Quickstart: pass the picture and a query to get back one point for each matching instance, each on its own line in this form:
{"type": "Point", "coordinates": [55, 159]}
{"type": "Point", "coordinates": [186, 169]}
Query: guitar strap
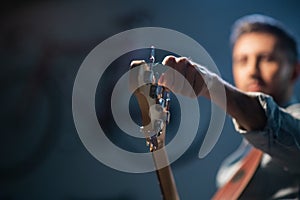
{"type": "Point", "coordinates": [236, 185]}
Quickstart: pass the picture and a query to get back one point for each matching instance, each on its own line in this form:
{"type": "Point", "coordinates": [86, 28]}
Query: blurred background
{"type": "Point", "coordinates": [42, 45]}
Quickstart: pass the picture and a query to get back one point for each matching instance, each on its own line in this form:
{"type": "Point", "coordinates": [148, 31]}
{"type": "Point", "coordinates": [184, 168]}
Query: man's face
{"type": "Point", "coordinates": [259, 66]}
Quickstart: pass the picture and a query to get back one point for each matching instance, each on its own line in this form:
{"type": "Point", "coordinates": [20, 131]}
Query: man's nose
{"type": "Point", "coordinates": [254, 67]}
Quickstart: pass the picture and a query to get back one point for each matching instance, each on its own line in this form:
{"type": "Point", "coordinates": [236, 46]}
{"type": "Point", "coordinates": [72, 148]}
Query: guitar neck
{"type": "Point", "coordinates": [154, 101]}
{"type": "Point", "coordinates": [160, 158]}
{"type": "Point", "coordinates": [165, 176]}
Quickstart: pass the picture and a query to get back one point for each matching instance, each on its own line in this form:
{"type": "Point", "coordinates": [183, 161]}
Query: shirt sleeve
{"type": "Point", "coordinates": [280, 138]}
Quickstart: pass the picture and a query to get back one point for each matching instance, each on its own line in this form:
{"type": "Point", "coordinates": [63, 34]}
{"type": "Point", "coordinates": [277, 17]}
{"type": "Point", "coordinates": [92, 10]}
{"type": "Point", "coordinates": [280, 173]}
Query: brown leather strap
{"type": "Point", "coordinates": [236, 185]}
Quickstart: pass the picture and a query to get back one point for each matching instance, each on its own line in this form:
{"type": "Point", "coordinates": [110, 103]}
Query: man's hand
{"type": "Point", "coordinates": [189, 79]}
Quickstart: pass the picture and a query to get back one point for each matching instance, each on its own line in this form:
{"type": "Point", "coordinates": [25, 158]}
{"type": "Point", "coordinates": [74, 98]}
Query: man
{"type": "Point", "coordinates": [264, 111]}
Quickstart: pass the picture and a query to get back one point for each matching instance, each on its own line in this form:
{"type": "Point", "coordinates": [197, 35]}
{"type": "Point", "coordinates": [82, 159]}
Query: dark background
{"type": "Point", "coordinates": [42, 45]}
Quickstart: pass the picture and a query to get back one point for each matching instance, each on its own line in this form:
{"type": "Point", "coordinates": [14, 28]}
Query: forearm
{"type": "Point", "coordinates": [244, 108]}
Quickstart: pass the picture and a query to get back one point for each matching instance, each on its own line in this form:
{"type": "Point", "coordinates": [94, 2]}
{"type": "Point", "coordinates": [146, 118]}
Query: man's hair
{"type": "Point", "coordinates": [263, 24]}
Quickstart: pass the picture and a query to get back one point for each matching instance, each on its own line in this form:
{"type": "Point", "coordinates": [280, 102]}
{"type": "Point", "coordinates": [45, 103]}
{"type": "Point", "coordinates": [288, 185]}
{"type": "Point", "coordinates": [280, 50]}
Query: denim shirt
{"type": "Point", "coordinates": [278, 176]}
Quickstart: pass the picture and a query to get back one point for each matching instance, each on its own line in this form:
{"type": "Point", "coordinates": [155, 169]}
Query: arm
{"type": "Point", "coordinates": [245, 108]}
{"type": "Point", "coordinates": [261, 121]}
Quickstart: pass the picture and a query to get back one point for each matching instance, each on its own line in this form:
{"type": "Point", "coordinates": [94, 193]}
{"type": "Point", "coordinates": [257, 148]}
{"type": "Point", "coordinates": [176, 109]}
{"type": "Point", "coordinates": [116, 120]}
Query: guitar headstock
{"type": "Point", "coordinates": [154, 103]}
{"type": "Point", "coordinates": [159, 114]}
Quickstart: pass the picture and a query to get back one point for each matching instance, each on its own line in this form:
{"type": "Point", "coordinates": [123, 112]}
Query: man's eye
{"type": "Point", "coordinates": [240, 60]}
{"type": "Point", "coordinates": [268, 58]}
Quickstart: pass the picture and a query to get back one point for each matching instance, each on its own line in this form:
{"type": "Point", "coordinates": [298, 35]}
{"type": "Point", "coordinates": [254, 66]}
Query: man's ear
{"type": "Point", "coordinates": [296, 72]}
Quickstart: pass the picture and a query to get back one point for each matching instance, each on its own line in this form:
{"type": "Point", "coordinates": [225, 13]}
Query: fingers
{"type": "Point", "coordinates": [169, 60]}
{"type": "Point", "coordinates": [185, 79]}
{"type": "Point", "coordinates": [167, 79]}
{"type": "Point", "coordinates": [172, 79]}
